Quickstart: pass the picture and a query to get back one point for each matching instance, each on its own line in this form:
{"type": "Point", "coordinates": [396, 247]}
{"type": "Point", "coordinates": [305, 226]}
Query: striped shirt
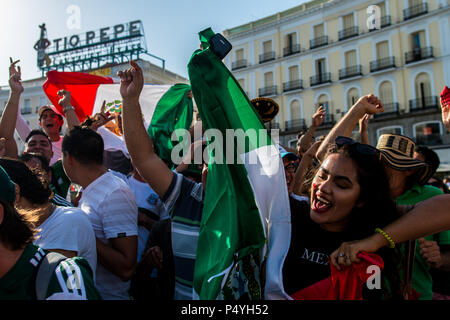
{"type": "Point", "coordinates": [184, 200]}
{"type": "Point", "coordinates": [60, 201]}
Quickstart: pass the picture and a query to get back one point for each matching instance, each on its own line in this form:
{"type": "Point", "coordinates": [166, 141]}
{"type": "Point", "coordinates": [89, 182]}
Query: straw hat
{"type": "Point", "coordinates": [266, 107]}
{"type": "Point", "coordinates": [397, 151]}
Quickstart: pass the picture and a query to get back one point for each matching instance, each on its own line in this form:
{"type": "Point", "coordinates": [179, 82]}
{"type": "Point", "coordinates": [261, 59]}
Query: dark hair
{"type": "Point", "coordinates": [37, 132]}
{"type": "Point", "coordinates": [85, 145]}
{"type": "Point", "coordinates": [431, 157]}
{"type": "Point", "coordinates": [32, 183]}
{"type": "Point", "coordinates": [378, 208]}
{"type": "Point", "coordinates": [27, 156]}
{"type": "Point", "coordinates": [16, 230]}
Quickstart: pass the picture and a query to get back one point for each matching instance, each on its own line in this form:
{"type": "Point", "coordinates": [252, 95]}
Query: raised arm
{"type": "Point", "coordinates": [69, 111]}
{"type": "Point", "coordinates": [138, 142]}
{"type": "Point", "coordinates": [368, 104]}
{"type": "Point", "coordinates": [428, 217]}
{"type": "Point", "coordinates": [9, 117]}
{"type": "Point", "coordinates": [317, 120]}
{"type": "Point", "coordinates": [304, 166]}
{"type": "Point", "coordinates": [364, 128]}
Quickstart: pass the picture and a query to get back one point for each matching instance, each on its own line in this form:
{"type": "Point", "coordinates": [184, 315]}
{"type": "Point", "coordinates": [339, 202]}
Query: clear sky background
{"type": "Point", "coordinates": [171, 26]}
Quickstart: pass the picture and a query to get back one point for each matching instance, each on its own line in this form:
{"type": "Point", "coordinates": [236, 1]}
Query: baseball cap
{"type": "Point", "coordinates": [49, 107]}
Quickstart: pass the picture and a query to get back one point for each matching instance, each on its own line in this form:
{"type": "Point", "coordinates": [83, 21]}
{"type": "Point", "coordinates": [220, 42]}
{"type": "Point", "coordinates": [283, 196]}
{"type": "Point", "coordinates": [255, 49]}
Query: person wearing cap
{"type": "Point", "coordinates": [407, 176]}
{"type": "Point", "coordinates": [290, 163]}
{"type": "Point", "coordinates": [20, 259]}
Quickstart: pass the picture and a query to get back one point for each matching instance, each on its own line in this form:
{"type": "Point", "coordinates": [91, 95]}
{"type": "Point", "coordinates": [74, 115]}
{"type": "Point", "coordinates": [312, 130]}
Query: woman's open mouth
{"type": "Point", "coordinates": [320, 204]}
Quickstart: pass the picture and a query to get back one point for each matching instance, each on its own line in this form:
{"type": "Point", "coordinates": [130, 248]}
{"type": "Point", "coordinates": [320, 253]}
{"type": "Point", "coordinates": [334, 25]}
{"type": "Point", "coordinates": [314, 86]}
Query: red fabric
{"type": "Point", "coordinates": [346, 284]}
{"type": "Point", "coordinates": [445, 97]}
{"type": "Point", "coordinates": [82, 86]}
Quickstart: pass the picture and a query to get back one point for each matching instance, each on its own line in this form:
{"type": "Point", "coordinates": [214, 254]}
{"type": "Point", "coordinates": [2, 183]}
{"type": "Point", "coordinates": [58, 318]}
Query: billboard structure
{"type": "Point", "coordinates": [92, 49]}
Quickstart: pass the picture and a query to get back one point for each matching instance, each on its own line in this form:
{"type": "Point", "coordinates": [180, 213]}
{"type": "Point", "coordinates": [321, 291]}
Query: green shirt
{"type": "Point", "coordinates": [19, 282]}
{"type": "Point", "coordinates": [60, 183]}
{"type": "Point", "coordinates": [422, 281]}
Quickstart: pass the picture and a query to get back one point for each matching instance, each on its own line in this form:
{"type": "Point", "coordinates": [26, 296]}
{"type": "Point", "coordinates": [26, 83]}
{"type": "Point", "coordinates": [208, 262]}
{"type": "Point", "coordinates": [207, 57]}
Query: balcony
{"type": "Point", "coordinates": [419, 54]}
{"type": "Point", "coordinates": [268, 91]}
{"type": "Point", "coordinates": [348, 33]}
{"type": "Point", "coordinates": [424, 103]}
{"type": "Point", "coordinates": [385, 21]}
{"type": "Point", "coordinates": [272, 125]}
{"type": "Point", "coordinates": [382, 64]}
{"type": "Point", "coordinates": [295, 125]}
{"type": "Point", "coordinates": [350, 72]}
{"type": "Point", "coordinates": [239, 64]}
{"type": "Point", "coordinates": [292, 85]}
{"type": "Point", "coordinates": [293, 49]}
{"type": "Point", "coordinates": [328, 121]}
{"type": "Point", "coordinates": [390, 110]}
{"type": "Point", "coordinates": [318, 42]}
{"type": "Point", "coordinates": [415, 11]}
{"type": "Point", "coordinates": [26, 111]}
{"type": "Point", "coordinates": [266, 56]}
{"type": "Point", "coordinates": [320, 79]}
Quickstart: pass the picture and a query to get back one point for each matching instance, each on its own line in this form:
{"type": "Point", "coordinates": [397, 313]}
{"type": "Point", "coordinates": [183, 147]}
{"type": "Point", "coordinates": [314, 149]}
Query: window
{"type": "Point", "coordinates": [26, 107]}
{"type": "Point", "coordinates": [239, 54]}
{"type": "Point", "coordinates": [242, 83]}
{"type": "Point", "coordinates": [293, 144]}
{"type": "Point", "coordinates": [291, 40]}
{"type": "Point", "coordinates": [268, 79]}
{"type": "Point", "coordinates": [382, 6]}
{"type": "Point", "coordinates": [319, 31]}
{"type": "Point", "coordinates": [267, 46]}
{"type": "Point", "coordinates": [413, 3]}
{"type": "Point", "coordinates": [422, 86]}
{"type": "Point", "coordinates": [295, 110]}
{"type": "Point", "coordinates": [323, 101]}
{"type": "Point", "coordinates": [321, 66]}
{"type": "Point", "coordinates": [350, 58]}
{"type": "Point", "coordinates": [293, 73]}
{"type": "Point", "coordinates": [382, 50]}
{"type": "Point", "coordinates": [389, 130]}
{"type": "Point", "coordinates": [352, 97]}
{"type": "Point", "coordinates": [428, 133]}
{"type": "Point", "coordinates": [386, 92]}
{"type": "Point", "coordinates": [347, 21]}
{"type": "Point", "coordinates": [418, 40]}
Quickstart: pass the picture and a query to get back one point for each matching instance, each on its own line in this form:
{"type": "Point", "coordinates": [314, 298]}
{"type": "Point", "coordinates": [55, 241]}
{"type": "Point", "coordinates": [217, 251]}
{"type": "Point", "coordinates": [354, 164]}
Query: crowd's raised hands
{"type": "Point", "coordinates": [131, 82]}
{"type": "Point", "coordinates": [15, 77]}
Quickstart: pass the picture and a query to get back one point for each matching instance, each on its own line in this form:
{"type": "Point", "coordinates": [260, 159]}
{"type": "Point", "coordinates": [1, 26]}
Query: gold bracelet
{"type": "Point", "coordinates": [388, 238]}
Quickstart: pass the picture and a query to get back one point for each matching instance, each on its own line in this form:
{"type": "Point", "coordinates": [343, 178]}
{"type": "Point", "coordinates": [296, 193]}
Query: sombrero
{"type": "Point", "coordinates": [397, 152]}
{"type": "Point", "coordinates": [266, 107]}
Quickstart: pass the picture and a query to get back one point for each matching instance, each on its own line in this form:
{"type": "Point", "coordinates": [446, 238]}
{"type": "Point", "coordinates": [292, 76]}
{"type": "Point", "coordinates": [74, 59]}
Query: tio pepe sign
{"type": "Point", "coordinates": [97, 37]}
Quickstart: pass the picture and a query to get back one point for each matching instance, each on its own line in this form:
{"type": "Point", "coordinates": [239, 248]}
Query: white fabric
{"type": "Point", "coordinates": [57, 150]}
{"type": "Point", "coordinates": [69, 229]}
{"type": "Point", "coordinates": [148, 199]}
{"type": "Point", "coordinates": [112, 210]}
{"type": "Point", "coordinates": [268, 182]}
{"type": "Point", "coordinates": [112, 141]}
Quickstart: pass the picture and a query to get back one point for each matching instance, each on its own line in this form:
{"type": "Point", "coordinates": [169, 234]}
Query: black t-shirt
{"type": "Point", "coordinates": [307, 261]}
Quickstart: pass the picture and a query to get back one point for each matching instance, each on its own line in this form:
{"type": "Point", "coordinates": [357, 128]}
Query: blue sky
{"type": "Point", "coordinates": [171, 26]}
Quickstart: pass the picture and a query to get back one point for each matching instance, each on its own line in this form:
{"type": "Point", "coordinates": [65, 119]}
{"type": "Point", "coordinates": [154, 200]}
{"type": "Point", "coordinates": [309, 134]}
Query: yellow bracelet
{"type": "Point", "coordinates": [389, 239]}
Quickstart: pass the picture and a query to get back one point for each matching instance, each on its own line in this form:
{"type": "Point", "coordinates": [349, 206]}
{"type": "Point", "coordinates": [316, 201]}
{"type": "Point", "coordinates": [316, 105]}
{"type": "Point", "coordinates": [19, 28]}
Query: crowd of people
{"type": "Point", "coordinates": [132, 229]}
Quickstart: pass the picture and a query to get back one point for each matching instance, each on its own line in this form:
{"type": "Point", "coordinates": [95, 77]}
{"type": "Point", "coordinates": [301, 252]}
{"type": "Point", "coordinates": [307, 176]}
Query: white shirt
{"type": "Point", "coordinates": [112, 210]}
{"type": "Point", "coordinates": [69, 229]}
{"type": "Point", "coordinates": [148, 199]}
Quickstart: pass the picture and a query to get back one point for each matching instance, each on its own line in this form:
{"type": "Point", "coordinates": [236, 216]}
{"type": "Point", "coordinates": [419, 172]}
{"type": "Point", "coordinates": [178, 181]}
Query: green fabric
{"type": "Point", "coordinates": [422, 281]}
{"type": "Point", "coordinates": [173, 111]}
{"type": "Point", "coordinates": [60, 181]}
{"type": "Point", "coordinates": [19, 282]}
{"type": "Point", "coordinates": [7, 187]}
{"type": "Point", "coordinates": [229, 205]}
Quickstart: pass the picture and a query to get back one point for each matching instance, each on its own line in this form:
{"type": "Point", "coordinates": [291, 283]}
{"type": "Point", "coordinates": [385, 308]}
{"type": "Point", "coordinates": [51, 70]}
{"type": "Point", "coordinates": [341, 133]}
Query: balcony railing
{"type": "Point", "coordinates": [382, 64]}
{"type": "Point", "coordinates": [238, 64]}
{"type": "Point", "coordinates": [297, 125]}
{"type": "Point", "coordinates": [415, 11]}
{"type": "Point", "coordinates": [329, 120]}
{"type": "Point", "coordinates": [385, 21]}
{"type": "Point", "coordinates": [266, 56]}
{"type": "Point", "coordinates": [320, 79]}
{"type": "Point", "coordinates": [26, 111]}
{"type": "Point", "coordinates": [423, 103]}
{"type": "Point", "coordinates": [293, 85]}
{"type": "Point", "coordinates": [348, 33]}
{"type": "Point", "coordinates": [293, 49]}
{"type": "Point", "coordinates": [419, 54]}
{"type": "Point", "coordinates": [318, 42]}
{"type": "Point", "coordinates": [268, 91]}
{"type": "Point", "coordinates": [350, 72]}
{"type": "Point", "coordinates": [390, 110]}
{"type": "Point", "coordinates": [272, 125]}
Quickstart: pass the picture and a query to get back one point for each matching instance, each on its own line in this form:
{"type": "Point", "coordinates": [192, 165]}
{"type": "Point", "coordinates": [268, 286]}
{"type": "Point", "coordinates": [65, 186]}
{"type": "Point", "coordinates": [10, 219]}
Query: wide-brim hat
{"type": "Point", "coordinates": [397, 152]}
{"type": "Point", "coordinates": [266, 107]}
{"type": "Point", "coordinates": [49, 107]}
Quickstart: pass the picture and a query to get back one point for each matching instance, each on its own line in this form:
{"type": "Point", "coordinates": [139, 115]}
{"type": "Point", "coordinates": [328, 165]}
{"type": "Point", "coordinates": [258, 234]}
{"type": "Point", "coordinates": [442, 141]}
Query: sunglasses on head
{"type": "Point", "coordinates": [359, 147]}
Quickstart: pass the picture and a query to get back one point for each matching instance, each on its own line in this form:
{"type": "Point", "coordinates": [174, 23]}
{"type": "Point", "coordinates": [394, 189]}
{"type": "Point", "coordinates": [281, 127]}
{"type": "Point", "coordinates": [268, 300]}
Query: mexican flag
{"type": "Point", "coordinates": [246, 206]}
{"type": "Point", "coordinates": [165, 108]}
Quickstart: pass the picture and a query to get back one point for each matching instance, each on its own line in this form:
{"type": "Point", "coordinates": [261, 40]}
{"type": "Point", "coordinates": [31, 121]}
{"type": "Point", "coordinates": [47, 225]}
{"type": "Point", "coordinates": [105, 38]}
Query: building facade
{"type": "Point", "coordinates": [332, 52]}
{"type": "Point", "coordinates": [34, 97]}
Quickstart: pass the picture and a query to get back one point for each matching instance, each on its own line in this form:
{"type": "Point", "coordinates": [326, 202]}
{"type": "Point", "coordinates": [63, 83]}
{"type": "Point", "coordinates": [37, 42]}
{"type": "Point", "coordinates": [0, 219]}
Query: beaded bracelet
{"type": "Point", "coordinates": [388, 238]}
